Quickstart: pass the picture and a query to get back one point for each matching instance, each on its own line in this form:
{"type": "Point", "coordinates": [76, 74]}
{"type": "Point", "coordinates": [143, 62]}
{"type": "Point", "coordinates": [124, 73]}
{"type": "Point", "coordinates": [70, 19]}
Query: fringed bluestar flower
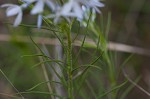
{"type": "Point", "coordinates": [72, 8]}
{"type": "Point", "coordinates": [13, 10]}
{"type": "Point", "coordinates": [39, 8]}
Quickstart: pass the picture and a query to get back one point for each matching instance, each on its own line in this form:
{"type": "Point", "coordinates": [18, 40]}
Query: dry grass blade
{"type": "Point", "coordinates": [131, 81]}
{"type": "Point", "coordinates": [52, 41]}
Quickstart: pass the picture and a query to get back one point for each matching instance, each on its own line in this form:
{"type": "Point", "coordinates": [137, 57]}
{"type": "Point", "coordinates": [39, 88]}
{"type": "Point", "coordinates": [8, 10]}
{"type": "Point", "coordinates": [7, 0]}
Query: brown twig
{"type": "Point", "coordinates": [52, 41]}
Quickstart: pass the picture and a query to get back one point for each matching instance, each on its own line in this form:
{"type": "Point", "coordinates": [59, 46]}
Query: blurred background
{"type": "Point", "coordinates": [130, 25]}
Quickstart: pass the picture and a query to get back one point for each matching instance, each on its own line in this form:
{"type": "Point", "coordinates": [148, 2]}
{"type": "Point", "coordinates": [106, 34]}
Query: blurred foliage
{"type": "Point", "coordinates": [129, 24]}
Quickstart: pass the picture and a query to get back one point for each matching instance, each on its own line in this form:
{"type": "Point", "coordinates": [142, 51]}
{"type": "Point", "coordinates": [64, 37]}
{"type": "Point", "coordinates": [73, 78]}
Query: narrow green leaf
{"type": "Point", "coordinates": [77, 33]}
{"type": "Point", "coordinates": [45, 93]}
{"type": "Point", "coordinates": [34, 55]}
{"type": "Point", "coordinates": [56, 61]}
{"type": "Point", "coordinates": [11, 83]}
{"type": "Point", "coordinates": [86, 66]}
{"type": "Point", "coordinates": [128, 89]}
{"type": "Point", "coordinates": [108, 25]}
{"type": "Point", "coordinates": [91, 64]}
{"type": "Point", "coordinates": [91, 89]}
{"type": "Point", "coordinates": [81, 47]}
{"type": "Point", "coordinates": [59, 37]}
{"type": "Point", "coordinates": [35, 86]}
{"type": "Point", "coordinates": [113, 89]}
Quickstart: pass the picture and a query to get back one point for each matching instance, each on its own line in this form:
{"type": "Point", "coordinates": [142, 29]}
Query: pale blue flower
{"type": "Point", "coordinates": [92, 4]}
{"type": "Point", "coordinates": [69, 9]}
{"type": "Point", "coordinates": [88, 13]}
{"type": "Point", "coordinates": [73, 8]}
{"type": "Point", "coordinates": [13, 10]}
{"type": "Point", "coordinates": [57, 15]}
{"type": "Point", "coordinates": [39, 8]}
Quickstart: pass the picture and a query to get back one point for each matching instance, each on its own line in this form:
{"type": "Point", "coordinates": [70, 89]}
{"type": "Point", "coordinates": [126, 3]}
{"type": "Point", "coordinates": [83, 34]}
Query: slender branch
{"type": "Point", "coordinates": [69, 65]}
{"type": "Point", "coordinates": [46, 76]}
{"type": "Point", "coordinates": [12, 84]}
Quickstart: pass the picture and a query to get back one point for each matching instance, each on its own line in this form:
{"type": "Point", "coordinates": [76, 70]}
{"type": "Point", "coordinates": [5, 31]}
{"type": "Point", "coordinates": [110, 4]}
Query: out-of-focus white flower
{"type": "Point", "coordinates": [12, 10]}
{"type": "Point", "coordinates": [73, 8]}
{"type": "Point", "coordinates": [39, 6]}
{"type": "Point", "coordinates": [57, 15]}
{"type": "Point", "coordinates": [88, 13]}
{"type": "Point", "coordinates": [92, 4]}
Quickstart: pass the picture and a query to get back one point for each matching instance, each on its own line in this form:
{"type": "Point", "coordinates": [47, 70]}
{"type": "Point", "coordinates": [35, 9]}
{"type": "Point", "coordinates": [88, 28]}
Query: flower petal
{"type": "Point", "coordinates": [7, 5]}
{"type": "Point", "coordinates": [92, 4]}
{"type": "Point", "coordinates": [78, 11]}
{"type": "Point", "coordinates": [39, 23]}
{"type": "Point", "coordinates": [67, 7]}
{"type": "Point", "coordinates": [25, 5]}
{"type": "Point", "coordinates": [50, 5]}
{"type": "Point", "coordinates": [38, 8]}
{"type": "Point", "coordinates": [12, 11]}
{"type": "Point", "coordinates": [97, 10]}
{"type": "Point", "coordinates": [18, 19]}
{"type": "Point", "coordinates": [29, 1]}
{"type": "Point", "coordinates": [97, 3]}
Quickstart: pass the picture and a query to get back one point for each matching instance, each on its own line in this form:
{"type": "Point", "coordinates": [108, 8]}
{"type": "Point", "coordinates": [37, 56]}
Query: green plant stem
{"type": "Point", "coordinates": [111, 74]}
{"type": "Point", "coordinates": [69, 65]}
